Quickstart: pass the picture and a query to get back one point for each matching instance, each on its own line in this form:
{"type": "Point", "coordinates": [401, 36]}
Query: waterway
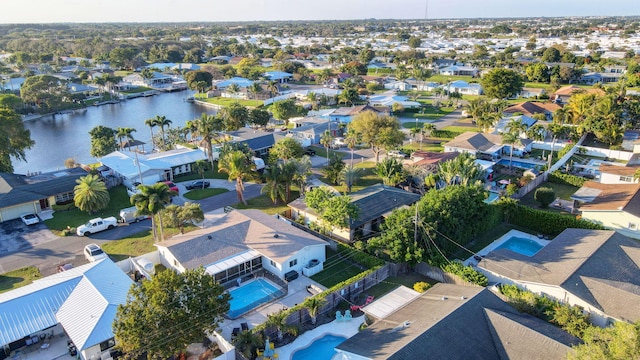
{"type": "Point", "coordinates": [64, 136]}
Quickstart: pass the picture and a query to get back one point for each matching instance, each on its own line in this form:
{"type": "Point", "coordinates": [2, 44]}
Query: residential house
{"type": "Point", "coordinates": [78, 304]}
{"type": "Point", "coordinates": [311, 130]}
{"type": "Point", "coordinates": [397, 85]}
{"type": "Point", "coordinates": [430, 160]}
{"type": "Point", "coordinates": [149, 168]}
{"type": "Point", "coordinates": [374, 203]}
{"type": "Point", "coordinates": [423, 85]}
{"type": "Point", "coordinates": [597, 270]}
{"type": "Point", "coordinates": [455, 322]}
{"type": "Point", "coordinates": [344, 115]}
{"type": "Point", "coordinates": [242, 243]}
{"type": "Point", "coordinates": [11, 84]}
{"type": "Point", "coordinates": [563, 94]}
{"type": "Point", "coordinates": [75, 88]}
{"type": "Point", "coordinates": [278, 76]}
{"type": "Point", "coordinates": [240, 81]}
{"type": "Point", "coordinates": [259, 141]}
{"type": "Point", "coordinates": [157, 80]}
{"type": "Point", "coordinates": [463, 87]}
{"type": "Point", "coordinates": [531, 92]}
{"type": "Point", "coordinates": [530, 108]}
{"type": "Point", "coordinates": [459, 70]}
{"type": "Point", "coordinates": [484, 146]}
{"type": "Point", "coordinates": [503, 124]}
{"type": "Point", "coordinates": [33, 193]}
{"type": "Point", "coordinates": [389, 100]}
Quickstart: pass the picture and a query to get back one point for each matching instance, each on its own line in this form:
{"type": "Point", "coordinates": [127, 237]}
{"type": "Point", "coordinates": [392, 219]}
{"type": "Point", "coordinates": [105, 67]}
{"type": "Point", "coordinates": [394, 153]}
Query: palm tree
{"type": "Point", "coordinates": [349, 176]}
{"type": "Point", "coordinates": [516, 127]}
{"type": "Point", "coordinates": [151, 123]}
{"type": "Point", "coordinates": [313, 98]}
{"type": "Point", "coordinates": [511, 139]}
{"type": "Point", "coordinates": [301, 171]}
{"type": "Point", "coordinates": [208, 128]}
{"type": "Point", "coordinates": [151, 200]}
{"type": "Point", "coordinates": [233, 89]}
{"type": "Point", "coordinates": [427, 130]}
{"type": "Point", "coordinates": [275, 184]}
{"type": "Point", "coordinates": [390, 170]}
{"type": "Point", "coordinates": [326, 140]}
{"type": "Point", "coordinates": [248, 342]}
{"type": "Point", "coordinates": [90, 194]}
{"type": "Point", "coordinates": [414, 131]}
{"type": "Point", "coordinates": [273, 89]}
{"type": "Point", "coordinates": [352, 139]}
{"type": "Point", "coordinates": [314, 304]}
{"type": "Point", "coordinates": [200, 166]}
{"type": "Point", "coordinates": [487, 120]}
{"type": "Point", "coordinates": [162, 121]}
{"type": "Point", "coordinates": [125, 132]}
{"type": "Point", "coordinates": [239, 167]}
{"type": "Point", "coordinates": [279, 321]}
{"type": "Point", "coordinates": [254, 89]}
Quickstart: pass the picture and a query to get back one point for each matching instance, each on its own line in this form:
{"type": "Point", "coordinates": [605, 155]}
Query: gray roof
{"type": "Point", "coordinates": [18, 189]}
{"type": "Point", "coordinates": [255, 139]}
{"type": "Point", "coordinates": [236, 233]}
{"type": "Point", "coordinates": [373, 202]}
{"type": "Point", "coordinates": [472, 323]}
{"type": "Point", "coordinates": [600, 267]}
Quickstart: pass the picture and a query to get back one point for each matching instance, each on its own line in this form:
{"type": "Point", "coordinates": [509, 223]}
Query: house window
{"type": "Point", "coordinates": [633, 226]}
{"type": "Point", "coordinates": [626, 178]}
{"type": "Point", "coordinates": [63, 198]}
{"type": "Point", "coordinates": [175, 262]}
{"type": "Point", "coordinates": [273, 263]}
{"type": "Point", "coordinates": [293, 262]}
{"type": "Point", "coordinates": [107, 344]}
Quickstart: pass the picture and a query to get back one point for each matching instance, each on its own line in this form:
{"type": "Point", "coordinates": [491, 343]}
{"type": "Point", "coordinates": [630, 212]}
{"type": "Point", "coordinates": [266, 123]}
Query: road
{"type": "Point", "coordinates": [61, 250]}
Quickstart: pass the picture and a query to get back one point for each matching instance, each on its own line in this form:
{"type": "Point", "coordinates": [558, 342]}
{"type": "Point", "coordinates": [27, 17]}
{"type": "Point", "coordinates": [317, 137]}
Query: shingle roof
{"type": "Point", "coordinates": [354, 110]}
{"type": "Point", "coordinates": [594, 265]}
{"type": "Point", "coordinates": [531, 108]}
{"type": "Point", "coordinates": [475, 141]}
{"type": "Point", "coordinates": [237, 232]}
{"type": "Point", "coordinates": [618, 170]}
{"type": "Point", "coordinates": [255, 139]}
{"type": "Point", "coordinates": [472, 323]}
{"type": "Point", "coordinates": [614, 197]}
{"type": "Point", "coordinates": [19, 189]}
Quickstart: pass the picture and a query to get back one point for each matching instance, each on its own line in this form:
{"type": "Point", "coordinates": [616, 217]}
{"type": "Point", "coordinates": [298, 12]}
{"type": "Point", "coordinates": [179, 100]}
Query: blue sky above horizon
{"type": "Point", "coordinates": [52, 11]}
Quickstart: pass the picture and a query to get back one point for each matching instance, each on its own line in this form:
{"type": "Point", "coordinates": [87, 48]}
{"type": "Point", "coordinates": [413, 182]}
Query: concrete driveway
{"type": "Point", "coordinates": [16, 236]}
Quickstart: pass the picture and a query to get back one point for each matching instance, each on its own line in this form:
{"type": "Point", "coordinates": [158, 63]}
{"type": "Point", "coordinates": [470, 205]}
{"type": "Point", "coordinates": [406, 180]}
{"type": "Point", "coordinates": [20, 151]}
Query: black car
{"type": "Point", "coordinates": [310, 152]}
{"type": "Point", "coordinates": [197, 184]}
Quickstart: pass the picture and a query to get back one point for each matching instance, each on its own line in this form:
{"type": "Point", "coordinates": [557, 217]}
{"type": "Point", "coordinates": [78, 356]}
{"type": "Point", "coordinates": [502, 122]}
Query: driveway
{"type": "Point", "coordinates": [16, 236]}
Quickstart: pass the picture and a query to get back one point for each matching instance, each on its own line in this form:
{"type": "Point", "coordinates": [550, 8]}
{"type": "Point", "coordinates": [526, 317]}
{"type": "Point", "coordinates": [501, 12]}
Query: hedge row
{"type": "Point", "coordinates": [547, 222]}
{"type": "Point", "coordinates": [566, 179]}
{"type": "Point", "coordinates": [446, 134]}
{"type": "Point", "coordinates": [467, 273]}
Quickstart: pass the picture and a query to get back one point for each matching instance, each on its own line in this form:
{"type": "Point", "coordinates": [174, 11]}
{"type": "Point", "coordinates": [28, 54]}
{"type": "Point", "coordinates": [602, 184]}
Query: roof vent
{"type": "Point", "coordinates": [463, 297]}
{"type": "Point", "coordinates": [276, 236]}
{"type": "Point", "coordinates": [444, 298]}
{"type": "Point", "coordinates": [209, 237]}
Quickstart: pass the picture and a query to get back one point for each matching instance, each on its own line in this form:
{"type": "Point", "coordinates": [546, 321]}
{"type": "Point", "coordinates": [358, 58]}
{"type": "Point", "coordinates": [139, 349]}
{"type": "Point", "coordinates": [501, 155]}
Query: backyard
{"type": "Point", "coordinates": [562, 191]}
{"type": "Point", "coordinates": [222, 101]}
{"type": "Point", "coordinates": [337, 269]}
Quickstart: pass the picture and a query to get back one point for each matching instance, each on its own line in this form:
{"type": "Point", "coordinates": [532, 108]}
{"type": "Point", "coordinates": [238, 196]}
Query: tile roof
{"type": "Point", "coordinates": [570, 89]}
{"type": "Point", "coordinates": [459, 322]}
{"type": "Point", "coordinates": [591, 264]}
{"type": "Point", "coordinates": [426, 158]}
{"type": "Point", "coordinates": [19, 189]}
{"type": "Point", "coordinates": [237, 232]}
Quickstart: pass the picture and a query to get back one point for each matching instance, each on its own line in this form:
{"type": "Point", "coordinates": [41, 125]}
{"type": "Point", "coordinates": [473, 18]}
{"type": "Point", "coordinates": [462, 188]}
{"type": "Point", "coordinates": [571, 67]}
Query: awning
{"type": "Point", "coordinates": [235, 260]}
{"type": "Point", "coordinates": [585, 194]}
{"type": "Point", "coordinates": [381, 308]}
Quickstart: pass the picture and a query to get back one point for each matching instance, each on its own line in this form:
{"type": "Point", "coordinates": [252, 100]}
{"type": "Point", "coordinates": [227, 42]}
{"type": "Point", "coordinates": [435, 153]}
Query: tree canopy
{"type": "Point", "coordinates": [48, 93]}
{"type": "Point", "coordinates": [103, 141]}
{"type": "Point", "coordinates": [91, 194]}
{"type": "Point", "coordinates": [502, 83]}
{"type": "Point", "coordinates": [193, 78]}
{"type": "Point", "coordinates": [377, 131]}
{"type": "Point", "coordinates": [162, 316]}
{"type": "Point", "coordinates": [14, 139]}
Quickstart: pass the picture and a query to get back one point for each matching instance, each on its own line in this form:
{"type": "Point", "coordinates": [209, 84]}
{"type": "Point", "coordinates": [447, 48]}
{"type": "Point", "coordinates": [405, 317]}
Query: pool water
{"type": "Point", "coordinates": [251, 295]}
{"type": "Point", "coordinates": [519, 164]}
{"type": "Point", "coordinates": [520, 245]}
{"type": "Point", "coordinates": [493, 196]}
{"type": "Point", "coordinates": [320, 349]}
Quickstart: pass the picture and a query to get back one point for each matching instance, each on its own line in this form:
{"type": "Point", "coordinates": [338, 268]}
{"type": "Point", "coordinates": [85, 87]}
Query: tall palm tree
{"type": "Point", "coordinates": [151, 200]}
{"type": "Point", "coordinates": [279, 321]}
{"type": "Point", "coordinates": [511, 139]}
{"type": "Point", "coordinates": [313, 98]}
{"type": "Point", "coordinates": [151, 123]}
{"type": "Point", "coordinates": [314, 304]}
{"type": "Point", "coordinates": [239, 168]}
{"type": "Point", "coordinates": [90, 194]}
{"type": "Point", "coordinates": [208, 128]}
{"type": "Point", "coordinates": [273, 89]}
{"type": "Point", "coordinates": [233, 89]}
{"type": "Point", "coordinates": [352, 139]}
{"type": "Point", "coordinates": [516, 126]}
{"type": "Point", "coordinates": [201, 167]}
{"type": "Point", "coordinates": [274, 187]}
{"type": "Point", "coordinates": [126, 133]}
{"type": "Point", "coordinates": [326, 139]}
{"type": "Point", "coordinates": [349, 176]}
{"type": "Point", "coordinates": [162, 121]}
{"type": "Point", "coordinates": [390, 170]}
{"type": "Point", "coordinates": [427, 130]}
{"type": "Point", "coordinates": [301, 172]}
{"type": "Point", "coordinates": [247, 342]}
{"type": "Point", "coordinates": [254, 89]}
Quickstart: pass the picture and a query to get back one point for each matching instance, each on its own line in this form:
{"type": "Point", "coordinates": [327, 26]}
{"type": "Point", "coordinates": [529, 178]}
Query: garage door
{"type": "Point", "coordinates": [14, 212]}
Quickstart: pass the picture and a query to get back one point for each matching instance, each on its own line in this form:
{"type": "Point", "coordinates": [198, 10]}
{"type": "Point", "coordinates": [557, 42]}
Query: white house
{"type": "Point", "coordinates": [463, 87]}
{"type": "Point", "coordinates": [389, 101]}
{"type": "Point", "coordinates": [597, 270]}
{"type": "Point", "coordinates": [459, 70]}
{"type": "Point", "coordinates": [243, 243]}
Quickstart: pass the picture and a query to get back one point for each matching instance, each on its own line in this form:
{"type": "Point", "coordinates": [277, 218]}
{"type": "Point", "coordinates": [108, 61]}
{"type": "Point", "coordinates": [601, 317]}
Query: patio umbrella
{"type": "Point", "coordinates": [504, 182]}
{"type": "Point", "coordinates": [268, 352]}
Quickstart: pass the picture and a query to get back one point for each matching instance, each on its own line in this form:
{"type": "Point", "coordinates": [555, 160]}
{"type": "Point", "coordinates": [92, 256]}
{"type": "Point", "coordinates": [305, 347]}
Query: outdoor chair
{"type": "Point", "coordinates": [245, 326]}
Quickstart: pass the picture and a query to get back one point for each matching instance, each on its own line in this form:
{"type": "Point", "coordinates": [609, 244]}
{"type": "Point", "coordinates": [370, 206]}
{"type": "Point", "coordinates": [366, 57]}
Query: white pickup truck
{"type": "Point", "coordinates": [96, 225]}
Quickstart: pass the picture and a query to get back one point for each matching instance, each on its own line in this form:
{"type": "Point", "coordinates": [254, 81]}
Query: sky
{"type": "Point", "coordinates": [54, 11]}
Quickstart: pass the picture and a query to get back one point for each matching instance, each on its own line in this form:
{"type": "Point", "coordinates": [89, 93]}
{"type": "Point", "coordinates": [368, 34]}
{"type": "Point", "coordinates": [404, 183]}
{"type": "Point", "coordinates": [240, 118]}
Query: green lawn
{"type": "Point", "coordinates": [426, 113]}
{"type": "Point", "coordinates": [264, 203]}
{"type": "Point", "coordinates": [199, 194]}
{"type": "Point", "coordinates": [74, 217]}
{"type": "Point", "coordinates": [562, 191]}
{"type": "Point", "coordinates": [228, 101]}
{"type": "Point", "coordinates": [17, 278]}
{"type": "Point", "coordinates": [137, 244]}
{"type": "Point", "coordinates": [139, 89]}
{"type": "Point", "coordinates": [461, 129]}
{"type": "Point", "coordinates": [391, 283]}
{"type": "Point", "coordinates": [336, 270]}
{"type": "Point", "coordinates": [209, 174]}
{"type": "Point", "coordinates": [367, 179]}
{"type": "Point", "coordinates": [322, 151]}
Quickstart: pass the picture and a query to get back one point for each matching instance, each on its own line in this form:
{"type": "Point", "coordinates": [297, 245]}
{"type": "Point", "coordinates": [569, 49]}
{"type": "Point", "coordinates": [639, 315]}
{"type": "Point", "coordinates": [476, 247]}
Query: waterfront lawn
{"type": "Point", "coordinates": [199, 194]}
{"type": "Point", "coordinates": [228, 101]}
{"type": "Point", "coordinates": [264, 203]}
{"type": "Point", "coordinates": [74, 217]}
{"type": "Point", "coordinates": [138, 244]}
{"type": "Point", "coordinates": [18, 278]}
{"type": "Point", "coordinates": [426, 113]}
{"type": "Point", "coordinates": [136, 90]}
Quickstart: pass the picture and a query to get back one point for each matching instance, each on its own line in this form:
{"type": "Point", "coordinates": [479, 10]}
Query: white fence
{"type": "Point", "coordinates": [614, 154]}
{"type": "Point", "coordinates": [132, 264]}
{"type": "Point", "coordinates": [280, 97]}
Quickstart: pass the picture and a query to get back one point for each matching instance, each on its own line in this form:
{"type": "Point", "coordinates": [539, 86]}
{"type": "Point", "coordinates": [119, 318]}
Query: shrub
{"type": "Point", "coordinates": [64, 207]}
{"type": "Point", "coordinates": [512, 189]}
{"type": "Point", "coordinates": [421, 286]}
{"type": "Point", "coordinates": [558, 177]}
{"type": "Point", "coordinates": [544, 196]}
{"type": "Point", "coordinates": [364, 259]}
{"type": "Point", "coordinates": [542, 221]}
{"type": "Point", "coordinates": [467, 273]}
{"type": "Point", "coordinates": [446, 134]}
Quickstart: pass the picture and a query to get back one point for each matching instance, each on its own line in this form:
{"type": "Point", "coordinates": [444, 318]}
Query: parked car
{"type": "Point", "coordinates": [129, 215]}
{"type": "Point", "coordinates": [30, 219]}
{"type": "Point", "coordinates": [397, 154]}
{"type": "Point", "coordinates": [339, 142]}
{"type": "Point", "coordinates": [172, 186]}
{"type": "Point", "coordinates": [93, 252]}
{"type": "Point", "coordinates": [198, 184]}
{"type": "Point", "coordinates": [309, 152]}
{"type": "Point", "coordinates": [96, 225]}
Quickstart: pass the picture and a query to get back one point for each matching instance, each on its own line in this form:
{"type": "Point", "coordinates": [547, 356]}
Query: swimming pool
{"type": "Point", "coordinates": [251, 295]}
{"type": "Point", "coordinates": [320, 349]}
{"type": "Point", "coordinates": [493, 196]}
{"type": "Point", "coordinates": [520, 164]}
{"type": "Point", "coordinates": [521, 245]}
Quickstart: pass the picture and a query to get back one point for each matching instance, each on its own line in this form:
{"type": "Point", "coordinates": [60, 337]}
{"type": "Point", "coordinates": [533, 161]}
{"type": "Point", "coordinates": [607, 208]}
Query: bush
{"type": "Point", "coordinates": [558, 177]}
{"type": "Point", "coordinates": [467, 273]}
{"type": "Point", "coordinates": [512, 189]}
{"type": "Point", "coordinates": [446, 134]}
{"type": "Point", "coordinates": [544, 196]}
{"type": "Point", "coordinates": [421, 286]}
{"type": "Point", "coordinates": [364, 259]}
{"type": "Point", "coordinates": [64, 207]}
{"type": "Point", "coordinates": [542, 221]}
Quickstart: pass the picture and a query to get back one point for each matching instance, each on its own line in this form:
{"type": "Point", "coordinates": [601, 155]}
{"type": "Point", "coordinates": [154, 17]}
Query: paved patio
{"type": "Point", "coordinates": [296, 295]}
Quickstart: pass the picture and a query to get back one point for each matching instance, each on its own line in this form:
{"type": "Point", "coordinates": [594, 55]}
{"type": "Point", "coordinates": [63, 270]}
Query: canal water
{"type": "Point", "coordinates": [60, 137]}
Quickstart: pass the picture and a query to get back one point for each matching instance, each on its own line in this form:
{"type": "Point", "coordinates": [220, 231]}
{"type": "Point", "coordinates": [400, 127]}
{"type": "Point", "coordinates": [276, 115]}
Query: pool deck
{"type": "Point", "coordinates": [344, 328]}
{"type": "Point", "coordinates": [511, 233]}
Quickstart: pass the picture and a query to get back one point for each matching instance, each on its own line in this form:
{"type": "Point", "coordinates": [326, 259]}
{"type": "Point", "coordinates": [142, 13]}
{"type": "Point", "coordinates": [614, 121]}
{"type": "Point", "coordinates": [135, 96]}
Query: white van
{"type": "Point", "coordinates": [128, 215]}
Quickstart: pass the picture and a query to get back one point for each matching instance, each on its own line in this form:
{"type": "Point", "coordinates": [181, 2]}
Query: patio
{"type": "Point", "coordinates": [56, 349]}
{"type": "Point", "coordinates": [296, 295]}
